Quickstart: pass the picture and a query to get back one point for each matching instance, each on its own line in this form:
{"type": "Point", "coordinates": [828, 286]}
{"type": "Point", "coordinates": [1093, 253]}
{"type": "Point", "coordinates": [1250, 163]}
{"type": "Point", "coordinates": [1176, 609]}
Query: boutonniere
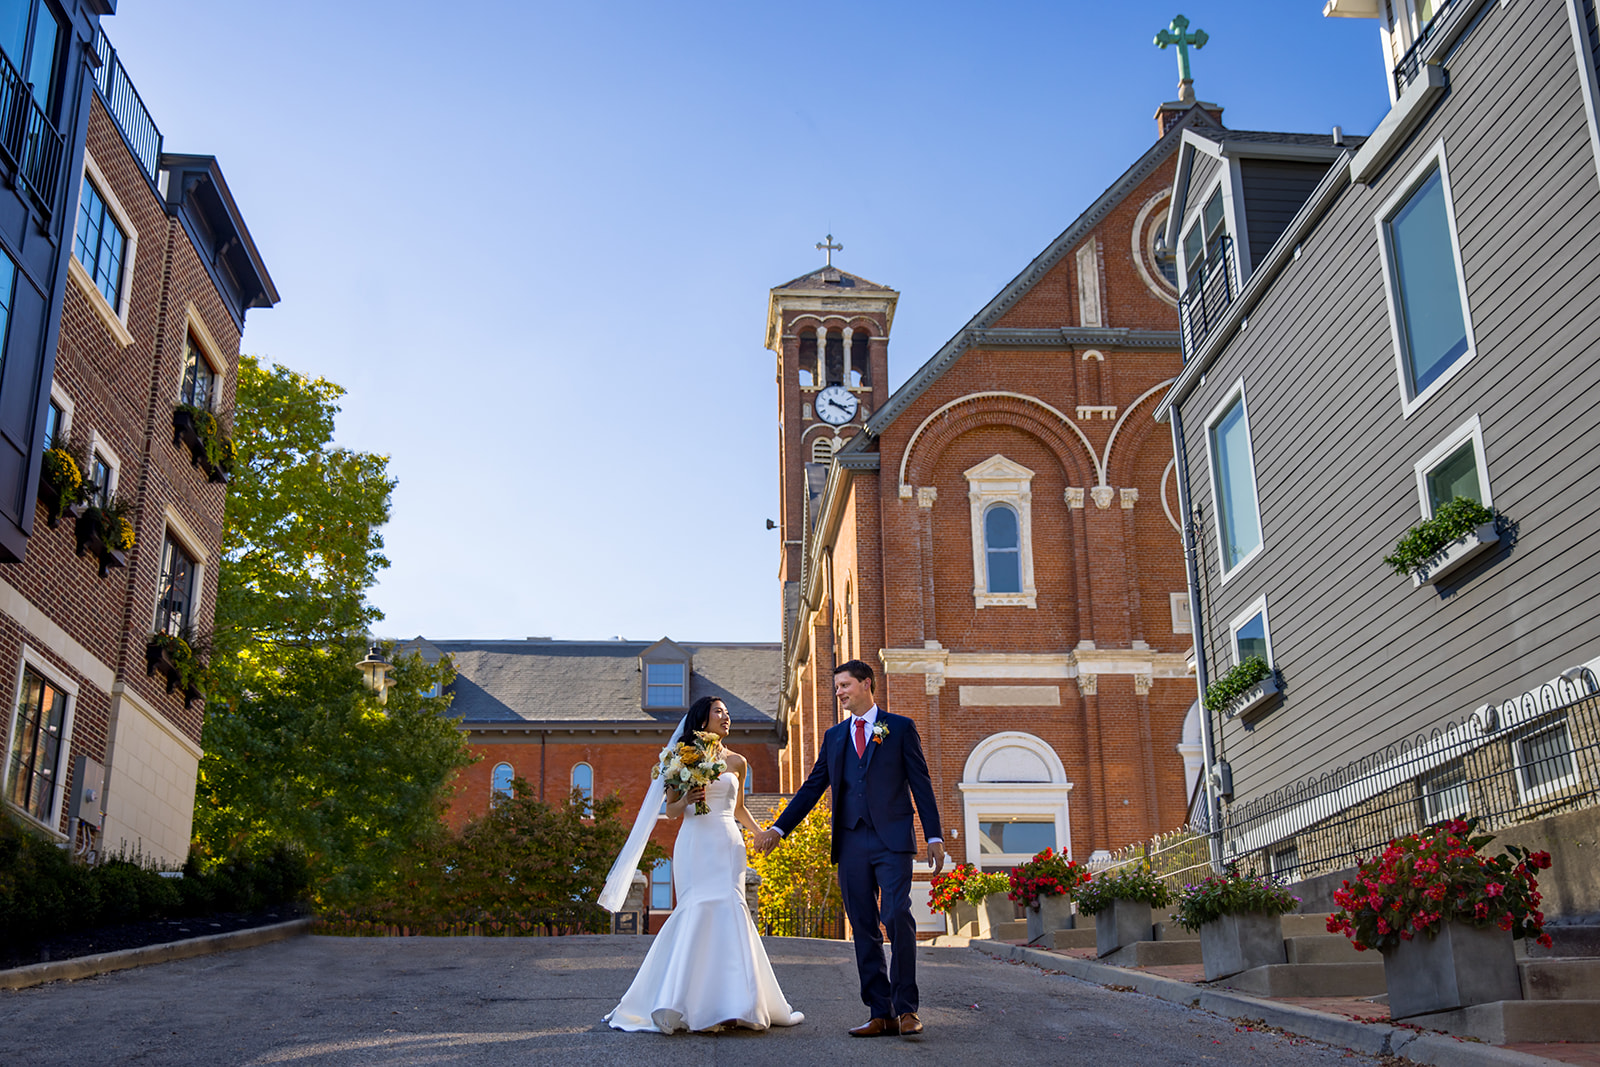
{"type": "Point", "coordinates": [880, 730]}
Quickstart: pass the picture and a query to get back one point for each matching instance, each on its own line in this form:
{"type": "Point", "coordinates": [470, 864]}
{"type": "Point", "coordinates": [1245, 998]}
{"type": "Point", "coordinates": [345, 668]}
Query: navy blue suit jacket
{"type": "Point", "coordinates": [896, 773]}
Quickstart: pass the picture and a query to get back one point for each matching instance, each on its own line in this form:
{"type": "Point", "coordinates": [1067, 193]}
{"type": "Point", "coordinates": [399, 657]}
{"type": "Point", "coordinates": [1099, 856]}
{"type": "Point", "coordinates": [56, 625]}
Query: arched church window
{"type": "Point", "coordinates": [1002, 545]}
{"type": "Point", "coordinates": [583, 780]}
{"type": "Point", "coordinates": [822, 450]}
{"type": "Point", "coordinates": [806, 380]}
{"type": "Point", "coordinates": [500, 782]}
{"type": "Point", "coordinates": [861, 358]}
{"type": "Point", "coordinates": [808, 354]}
{"type": "Point", "coordinates": [833, 370]}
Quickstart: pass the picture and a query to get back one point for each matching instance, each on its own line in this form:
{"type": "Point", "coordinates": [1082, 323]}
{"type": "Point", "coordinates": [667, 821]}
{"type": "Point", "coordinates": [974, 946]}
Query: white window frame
{"type": "Point", "coordinates": [1182, 619]}
{"type": "Point", "coordinates": [650, 886]}
{"type": "Point", "coordinates": [1435, 158]}
{"type": "Point", "coordinates": [180, 531]}
{"type": "Point", "coordinates": [115, 319]}
{"type": "Point", "coordinates": [1237, 392]}
{"type": "Point", "coordinates": [98, 446]}
{"type": "Point", "coordinates": [1471, 430]}
{"type": "Point", "coordinates": [1257, 608]}
{"type": "Point", "coordinates": [1566, 781]}
{"type": "Point", "coordinates": [64, 402]}
{"type": "Point", "coordinates": [209, 351]}
{"type": "Point", "coordinates": [645, 696]}
{"type": "Point", "coordinates": [998, 480]}
{"type": "Point", "coordinates": [987, 801]}
{"type": "Point", "coordinates": [1427, 786]}
{"type": "Point", "coordinates": [57, 678]}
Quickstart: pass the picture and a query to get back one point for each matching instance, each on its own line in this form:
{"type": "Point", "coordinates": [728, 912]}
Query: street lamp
{"type": "Point", "coordinates": [373, 671]}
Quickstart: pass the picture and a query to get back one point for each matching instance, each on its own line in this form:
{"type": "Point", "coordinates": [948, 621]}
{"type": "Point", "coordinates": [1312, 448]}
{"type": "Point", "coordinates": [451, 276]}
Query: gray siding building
{"type": "Point", "coordinates": [1373, 328]}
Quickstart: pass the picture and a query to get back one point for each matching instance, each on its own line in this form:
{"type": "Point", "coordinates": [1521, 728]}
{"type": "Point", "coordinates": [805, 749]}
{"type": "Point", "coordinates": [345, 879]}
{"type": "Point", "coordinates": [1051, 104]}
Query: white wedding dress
{"type": "Point", "coordinates": [707, 965]}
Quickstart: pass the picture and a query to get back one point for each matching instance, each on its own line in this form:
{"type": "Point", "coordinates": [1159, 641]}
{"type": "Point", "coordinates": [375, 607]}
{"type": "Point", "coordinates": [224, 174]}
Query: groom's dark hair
{"type": "Point", "coordinates": [857, 670]}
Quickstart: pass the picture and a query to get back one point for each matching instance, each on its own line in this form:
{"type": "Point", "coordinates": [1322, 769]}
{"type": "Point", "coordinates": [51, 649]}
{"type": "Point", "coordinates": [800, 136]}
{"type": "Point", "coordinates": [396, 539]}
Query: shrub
{"type": "Point", "coordinates": [982, 884]}
{"type": "Point", "coordinates": [1048, 874]}
{"type": "Point", "coordinates": [1426, 879]}
{"type": "Point", "coordinates": [1231, 893]}
{"type": "Point", "coordinates": [946, 890]}
{"type": "Point", "coordinates": [1135, 882]}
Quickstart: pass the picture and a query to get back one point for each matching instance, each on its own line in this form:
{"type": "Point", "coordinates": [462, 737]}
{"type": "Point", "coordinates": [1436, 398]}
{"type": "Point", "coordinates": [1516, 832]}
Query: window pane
{"type": "Point", "coordinates": [36, 746]}
{"type": "Point", "coordinates": [1016, 836]}
{"type": "Point", "coordinates": [1194, 243]}
{"type": "Point", "coordinates": [52, 423]}
{"type": "Point", "coordinates": [1213, 214]}
{"type": "Point", "coordinates": [1005, 572]}
{"type": "Point", "coordinates": [1235, 486]}
{"type": "Point", "coordinates": [661, 886]}
{"type": "Point", "coordinates": [1455, 477]}
{"type": "Point", "coordinates": [1432, 327]}
{"type": "Point", "coordinates": [1444, 796]}
{"type": "Point", "coordinates": [1252, 638]}
{"type": "Point", "coordinates": [663, 673]}
{"type": "Point", "coordinates": [176, 589]}
{"type": "Point", "coordinates": [501, 783]}
{"type": "Point", "coordinates": [583, 778]}
{"type": "Point", "coordinates": [42, 62]}
{"type": "Point", "coordinates": [664, 696]}
{"type": "Point", "coordinates": [1000, 527]}
{"type": "Point", "coordinates": [14, 29]}
{"type": "Point", "coordinates": [1546, 757]}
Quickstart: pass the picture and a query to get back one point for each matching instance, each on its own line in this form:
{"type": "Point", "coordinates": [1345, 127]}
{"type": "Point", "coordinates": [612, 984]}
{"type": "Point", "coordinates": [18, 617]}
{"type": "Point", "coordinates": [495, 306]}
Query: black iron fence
{"type": "Point", "coordinates": [1534, 756]}
{"type": "Point", "coordinates": [1209, 294]}
{"type": "Point", "coordinates": [122, 100]}
{"type": "Point", "coordinates": [803, 921]}
{"type": "Point", "coordinates": [28, 138]}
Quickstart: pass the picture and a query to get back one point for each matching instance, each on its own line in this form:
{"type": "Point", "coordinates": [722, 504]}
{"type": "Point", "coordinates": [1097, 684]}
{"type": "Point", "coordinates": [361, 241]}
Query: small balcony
{"type": "Point", "coordinates": [1410, 65]}
{"type": "Point", "coordinates": [1205, 302]}
{"type": "Point", "coordinates": [29, 141]}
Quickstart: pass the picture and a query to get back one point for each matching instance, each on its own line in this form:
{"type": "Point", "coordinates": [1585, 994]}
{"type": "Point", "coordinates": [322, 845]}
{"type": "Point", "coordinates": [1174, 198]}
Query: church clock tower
{"type": "Point", "coordinates": [830, 331]}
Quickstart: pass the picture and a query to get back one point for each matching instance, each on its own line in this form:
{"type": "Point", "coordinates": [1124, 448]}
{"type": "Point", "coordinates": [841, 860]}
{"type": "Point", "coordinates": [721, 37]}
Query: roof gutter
{"type": "Point", "coordinates": [1281, 255]}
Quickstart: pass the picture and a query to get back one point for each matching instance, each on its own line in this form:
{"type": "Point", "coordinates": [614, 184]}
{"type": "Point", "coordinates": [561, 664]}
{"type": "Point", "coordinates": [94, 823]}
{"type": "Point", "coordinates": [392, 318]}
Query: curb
{"type": "Point", "coordinates": [1376, 1039]}
{"type": "Point", "coordinates": [106, 962]}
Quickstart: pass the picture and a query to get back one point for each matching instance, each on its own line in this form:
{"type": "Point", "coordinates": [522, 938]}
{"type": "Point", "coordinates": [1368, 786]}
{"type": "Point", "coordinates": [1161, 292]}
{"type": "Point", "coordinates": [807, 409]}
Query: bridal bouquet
{"type": "Point", "coordinates": [684, 765]}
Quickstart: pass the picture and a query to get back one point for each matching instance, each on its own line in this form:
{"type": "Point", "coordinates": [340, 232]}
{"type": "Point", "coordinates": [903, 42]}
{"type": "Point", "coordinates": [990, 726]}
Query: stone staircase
{"type": "Point", "coordinates": [1318, 964]}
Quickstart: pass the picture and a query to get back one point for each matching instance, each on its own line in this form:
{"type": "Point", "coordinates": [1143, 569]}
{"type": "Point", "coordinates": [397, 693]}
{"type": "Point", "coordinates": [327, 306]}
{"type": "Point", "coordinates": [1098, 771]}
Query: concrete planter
{"type": "Point", "coordinates": [1049, 914]}
{"type": "Point", "coordinates": [1126, 922]}
{"type": "Point", "coordinates": [959, 918]}
{"type": "Point", "coordinates": [1236, 943]}
{"type": "Point", "coordinates": [1463, 965]}
{"type": "Point", "coordinates": [995, 909]}
{"type": "Point", "coordinates": [1454, 556]}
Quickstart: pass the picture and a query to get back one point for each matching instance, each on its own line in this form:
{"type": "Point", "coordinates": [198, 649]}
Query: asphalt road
{"type": "Point", "coordinates": [499, 1001]}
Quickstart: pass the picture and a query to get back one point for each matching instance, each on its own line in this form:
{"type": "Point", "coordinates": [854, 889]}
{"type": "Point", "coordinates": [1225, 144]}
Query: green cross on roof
{"type": "Point", "coordinates": [1177, 34]}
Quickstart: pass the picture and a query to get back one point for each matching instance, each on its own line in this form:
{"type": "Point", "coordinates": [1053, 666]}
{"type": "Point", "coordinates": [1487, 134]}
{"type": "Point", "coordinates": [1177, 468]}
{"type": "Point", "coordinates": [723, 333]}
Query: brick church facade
{"type": "Point", "coordinates": [999, 537]}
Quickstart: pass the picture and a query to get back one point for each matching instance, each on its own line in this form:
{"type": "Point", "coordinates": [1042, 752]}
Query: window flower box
{"type": "Point", "coordinates": [177, 662]}
{"type": "Point", "coordinates": [106, 534]}
{"type": "Point", "coordinates": [1253, 699]}
{"type": "Point", "coordinates": [1455, 555]}
{"type": "Point", "coordinates": [1231, 944]}
{"type": "Point", "coordinates": [1460, 966]}
{"type": "Point", "coordinates": [210, 448]}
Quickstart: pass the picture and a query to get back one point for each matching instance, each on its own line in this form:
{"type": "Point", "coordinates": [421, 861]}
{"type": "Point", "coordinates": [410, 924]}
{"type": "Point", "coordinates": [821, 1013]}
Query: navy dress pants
{"type": "Point", "coordinates": [867, 868]}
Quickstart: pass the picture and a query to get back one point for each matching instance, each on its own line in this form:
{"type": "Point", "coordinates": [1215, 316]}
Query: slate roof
{"type": "Point", "coordinates": [541, 680]}
{"type": "Point", "coordinates": [823, 279]}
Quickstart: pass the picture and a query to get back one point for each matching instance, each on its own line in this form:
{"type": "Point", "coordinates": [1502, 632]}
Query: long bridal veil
{"type": "Point", "coordinates": [615, 893]}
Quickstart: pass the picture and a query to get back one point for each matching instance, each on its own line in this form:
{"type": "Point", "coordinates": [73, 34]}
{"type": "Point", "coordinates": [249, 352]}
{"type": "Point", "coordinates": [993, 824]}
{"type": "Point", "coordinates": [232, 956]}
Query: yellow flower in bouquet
{"type": "Point", "coordinates": [684, 766]}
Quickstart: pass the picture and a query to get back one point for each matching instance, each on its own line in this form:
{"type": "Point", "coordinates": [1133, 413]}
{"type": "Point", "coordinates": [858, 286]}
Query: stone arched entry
{"type": "Point", "coordinates": [1014, 791]}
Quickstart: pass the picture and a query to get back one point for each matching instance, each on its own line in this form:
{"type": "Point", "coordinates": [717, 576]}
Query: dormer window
{"type": "Point", "coordinates": [1203, 242]}
{"type": "Point", "coordinates": [665, 668]}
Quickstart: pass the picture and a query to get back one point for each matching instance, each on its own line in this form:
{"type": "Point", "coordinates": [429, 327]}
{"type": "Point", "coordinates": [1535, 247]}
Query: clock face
{"type": "Point", "coordinates": [836, 405]}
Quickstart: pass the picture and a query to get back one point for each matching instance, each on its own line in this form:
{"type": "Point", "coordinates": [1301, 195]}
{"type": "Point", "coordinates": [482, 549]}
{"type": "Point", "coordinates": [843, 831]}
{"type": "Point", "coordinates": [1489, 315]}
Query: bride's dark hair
{"type": "Point", "coordinates": [699, 718]}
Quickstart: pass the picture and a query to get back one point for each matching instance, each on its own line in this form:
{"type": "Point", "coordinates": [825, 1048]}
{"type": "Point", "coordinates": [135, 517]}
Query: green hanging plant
{"type": "Point", "coordinates": [1426, 539]}
{"type": "Point", "coordinates": [1239, 680]}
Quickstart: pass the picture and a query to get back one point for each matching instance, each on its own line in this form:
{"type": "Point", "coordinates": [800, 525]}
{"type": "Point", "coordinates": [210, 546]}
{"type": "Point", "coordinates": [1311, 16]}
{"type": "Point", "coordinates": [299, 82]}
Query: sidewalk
{"type": "Point", "coordinates": [1355, 1022]}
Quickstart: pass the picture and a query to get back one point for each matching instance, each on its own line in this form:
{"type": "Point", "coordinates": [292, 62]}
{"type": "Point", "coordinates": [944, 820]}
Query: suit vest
{"type": "Point", "coordinates": [853, 808]}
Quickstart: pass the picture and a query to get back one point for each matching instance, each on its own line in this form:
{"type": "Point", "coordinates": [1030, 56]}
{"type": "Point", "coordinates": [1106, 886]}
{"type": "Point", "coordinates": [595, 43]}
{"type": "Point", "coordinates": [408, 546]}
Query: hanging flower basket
{"type": "Point", "coordinates": [106, 534]}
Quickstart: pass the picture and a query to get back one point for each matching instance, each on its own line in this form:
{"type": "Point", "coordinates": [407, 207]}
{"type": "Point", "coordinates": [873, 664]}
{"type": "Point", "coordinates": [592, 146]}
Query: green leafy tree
{"type": "Point", "coordinates": [799, 874]}
{"type": "Point", "coordinates": [298, 752]}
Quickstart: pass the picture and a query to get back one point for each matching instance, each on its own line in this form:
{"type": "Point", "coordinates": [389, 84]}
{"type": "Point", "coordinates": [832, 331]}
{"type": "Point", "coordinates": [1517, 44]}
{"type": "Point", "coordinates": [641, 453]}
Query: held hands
{"type": "Point", "coordinates": [936, 855]}
{"type": "Point", "coordinates": [697, 795]}
{"type": "Point", "coordinates": [766, 840]}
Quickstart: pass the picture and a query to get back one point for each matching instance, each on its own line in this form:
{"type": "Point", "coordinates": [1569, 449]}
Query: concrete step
{"type": "Point", "coordinates": [1568, 979]}
{"type": "Point", "coordinates": [1310, 925]}
{"type": "Point", "coordinates": [1310, 980]}
{"type": "Point", "coordinates": [1508, 1021]}
{"type": "Point", "coordinates": [1169, 931]}
{"type": "Point", "coordinates": [1323, 948]}
{"type": "Point", "coordinates": [1082, 937]}
{"type": "Point", "coordinates": [1013, 931]}
{"type": "Point", "coordinates": [1154, 954]}
{"type": "Point", "coordinates": [1567, 941]}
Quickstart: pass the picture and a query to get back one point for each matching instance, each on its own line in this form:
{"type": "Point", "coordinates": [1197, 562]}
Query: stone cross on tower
{"type": "Point", "coordinates": [830, 248]}
{"type": "Point", "coordinates": [1177, 34]}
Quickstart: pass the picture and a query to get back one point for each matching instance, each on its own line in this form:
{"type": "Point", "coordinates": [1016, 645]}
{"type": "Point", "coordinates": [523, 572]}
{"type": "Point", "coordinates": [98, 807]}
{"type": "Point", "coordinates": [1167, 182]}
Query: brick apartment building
{"type": "Point", "coordinates": [999, 537]}
{"type": "Point", "coordinates": [104, 741]}
{"type": "Point", "coordinates": [594, 715]}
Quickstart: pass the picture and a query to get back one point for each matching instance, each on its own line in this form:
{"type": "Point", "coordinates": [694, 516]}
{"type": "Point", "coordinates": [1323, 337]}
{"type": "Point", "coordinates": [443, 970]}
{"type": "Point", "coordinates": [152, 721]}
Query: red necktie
{"type": "Point", "coordinates": [861, 738]}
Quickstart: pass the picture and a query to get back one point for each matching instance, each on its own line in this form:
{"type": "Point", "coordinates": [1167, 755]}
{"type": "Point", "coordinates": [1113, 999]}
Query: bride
{"type": "Point", "coordinates": [706, 968]}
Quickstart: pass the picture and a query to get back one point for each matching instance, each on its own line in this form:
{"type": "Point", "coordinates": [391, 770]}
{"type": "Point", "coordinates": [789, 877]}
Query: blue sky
{"type": "Point", "coordinates": [534, 241]}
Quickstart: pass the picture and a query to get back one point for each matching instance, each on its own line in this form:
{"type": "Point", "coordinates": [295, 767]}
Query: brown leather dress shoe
{"type": "Point", "coordinates": [909, 1024]}
{"type": "Point", "coordinates": [879, 1028]}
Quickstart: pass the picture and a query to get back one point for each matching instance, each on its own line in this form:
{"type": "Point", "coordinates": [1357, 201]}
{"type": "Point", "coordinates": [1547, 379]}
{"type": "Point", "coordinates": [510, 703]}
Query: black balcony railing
{"type": "Point", "coordinates": [28, 138]}
{"type": "Point", "coordinates": [1211, 290]}
{"type": "Point", "coordinates": [1410, 65]}
{"type": "Point", "coordinates": [127, 109]}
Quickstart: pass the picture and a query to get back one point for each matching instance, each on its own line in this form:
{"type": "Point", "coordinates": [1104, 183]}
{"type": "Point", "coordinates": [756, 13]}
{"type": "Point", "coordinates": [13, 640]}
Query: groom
{"type": "Point", "coordinates": [873, 762]}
